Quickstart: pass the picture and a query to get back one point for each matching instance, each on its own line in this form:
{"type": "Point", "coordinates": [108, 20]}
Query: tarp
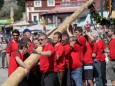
{"type": "Point", "coordinates": [37, 27]}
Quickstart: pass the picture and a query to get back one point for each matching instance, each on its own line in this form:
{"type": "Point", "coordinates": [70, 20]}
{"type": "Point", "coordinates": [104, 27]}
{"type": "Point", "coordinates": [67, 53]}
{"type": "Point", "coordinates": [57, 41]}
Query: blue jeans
{"type": "Point", "coordinates": [76, 76]}
{"type": "Point", "coordinates": [97, 73]}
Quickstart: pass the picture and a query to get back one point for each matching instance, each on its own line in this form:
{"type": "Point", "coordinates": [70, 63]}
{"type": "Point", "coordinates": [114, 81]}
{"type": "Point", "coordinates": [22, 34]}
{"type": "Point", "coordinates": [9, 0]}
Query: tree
{"type": "Point", "coordinates": [5, 10]}
{"type": "Point", "coordinates": [1, 3]}
{"type": "Point", "coordinates": [21, 3]}
{"type": "Point", "coordinates": [21, 9]}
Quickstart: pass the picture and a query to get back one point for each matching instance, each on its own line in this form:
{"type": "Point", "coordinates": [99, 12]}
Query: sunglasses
{"type": "Point", "coordinates": [40, 39]}
{"type": "Point", "coordinates": [15, 35]}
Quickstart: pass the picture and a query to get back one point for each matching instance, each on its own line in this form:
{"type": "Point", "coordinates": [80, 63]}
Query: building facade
{"type": "Point", "coordinates": [35, 7]}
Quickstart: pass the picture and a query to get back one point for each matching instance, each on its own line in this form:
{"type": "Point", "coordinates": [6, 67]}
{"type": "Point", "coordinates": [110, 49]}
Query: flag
{"type": "Point", "coordinates": [44, 25]}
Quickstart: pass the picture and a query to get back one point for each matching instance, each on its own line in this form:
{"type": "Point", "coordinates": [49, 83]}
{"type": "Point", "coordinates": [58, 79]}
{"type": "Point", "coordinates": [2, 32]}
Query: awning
{"type": "Point", "coordinates": [60, 10]}
{"type": "Point", "coordinates": [21, 23]}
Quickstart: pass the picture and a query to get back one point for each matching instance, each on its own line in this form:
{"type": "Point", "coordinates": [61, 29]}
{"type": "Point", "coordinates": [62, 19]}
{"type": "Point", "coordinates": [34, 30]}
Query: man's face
{"type": "Point", "coordinates": [42, 40]}
{"type": "Point", "coordinates": [15, 36]}
{"type": "Point", "coordinates": [25, 50]}
{"type": "Point", "coordinates": [77, 33]}
{"type": "Point", "coordinates": [110, 33]}
{"type": "Point", "coordinates": [71, 41]}
{"type": "Point", "coordinates": [36, 43]}
{"type": "Point", "coordinates": [27, 34]}
{"type": "Point", "coordinates": [64, 40]}
{"type": "Point", "coordinates": [56, 39]}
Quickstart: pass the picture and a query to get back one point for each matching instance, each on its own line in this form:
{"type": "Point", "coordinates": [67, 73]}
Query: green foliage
{"type": "Point", "coordinates": [95, 16]}
{"type": "Point", "coordinates": [21, 3]}
{"type": "Point", "coordinates": [19, 14]}
{"type": "Point", "coordinates": [1, 3]}
{"type": "Point", "coordinates": [21, 9]}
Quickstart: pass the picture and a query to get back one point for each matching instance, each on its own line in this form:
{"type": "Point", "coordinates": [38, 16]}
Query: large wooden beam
{"type": "Point", "coordinates": [17, 76]}
{"type": "Point", "coordinates": [62, 27]}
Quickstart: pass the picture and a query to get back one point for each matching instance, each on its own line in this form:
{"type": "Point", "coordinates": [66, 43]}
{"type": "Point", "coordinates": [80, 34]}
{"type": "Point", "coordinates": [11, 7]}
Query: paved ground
{"type": "Point", "coordinates": [3, 75]}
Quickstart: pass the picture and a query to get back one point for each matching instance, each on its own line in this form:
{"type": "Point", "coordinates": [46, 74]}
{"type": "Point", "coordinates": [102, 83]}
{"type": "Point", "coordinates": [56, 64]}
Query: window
{"type": "Point", "coordinates": [38, 3]}
{"type": "Point", "coordinates": [51, 2]}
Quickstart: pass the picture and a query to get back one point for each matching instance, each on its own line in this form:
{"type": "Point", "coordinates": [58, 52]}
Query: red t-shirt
{"type": "Point", "coordinates": [48, 63]}
{"type": "Point", "coordinates": [59, 50]}
{"type": "Point", "coordinates": [88, 55]}
{"type": "Point", "coordinates": [112, 49]}
{"type": "Point", "coordinates": [98, 48]}
{"type": "Point", "coordinates": [82, 43]}
{"type": "Point", "coordinates": [12, 46]}
{"type": "Point", "coordinates": [67, 51]}
{"type": "Point", "coordinates": [13, 65]}
{"type": "Point", "coordinates": [31, 47]}
{"type": "Point", "coordinates": [75, 59]}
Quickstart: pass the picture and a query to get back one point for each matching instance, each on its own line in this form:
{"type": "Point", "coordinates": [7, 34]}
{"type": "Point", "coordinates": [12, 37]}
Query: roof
{"type": "Point", "coordinates": [61, 10]}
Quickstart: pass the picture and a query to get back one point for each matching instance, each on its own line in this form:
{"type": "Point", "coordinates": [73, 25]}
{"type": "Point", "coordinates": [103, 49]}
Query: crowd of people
{"type": "Point", "coordinates": [75, 58]}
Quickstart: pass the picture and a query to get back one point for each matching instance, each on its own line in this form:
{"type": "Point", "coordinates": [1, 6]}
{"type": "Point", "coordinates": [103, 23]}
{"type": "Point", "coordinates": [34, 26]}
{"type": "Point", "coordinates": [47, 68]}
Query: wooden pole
{"type": "Point", "coordinates": [17, 76]}
{"type": "Point", "coordinates": [62, 27]}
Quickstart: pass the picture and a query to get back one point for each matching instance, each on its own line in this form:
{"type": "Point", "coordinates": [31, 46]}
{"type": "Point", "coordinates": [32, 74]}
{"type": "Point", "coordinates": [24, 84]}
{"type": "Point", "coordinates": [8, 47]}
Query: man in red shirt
{"type": "Point", "coordinates": [88, 62]}
{"type": "Point", "coordinates": [59, 54]}
{"type": "Point", "coordinates": [81, 39]}
{"type": "Point", "coordinates": [99, 61]}
{"type": "Point", "coordinates": [17, 59]}
{"type": "Point", "coordinates": [111, 63]}
{"type": "Point", "coordinates": [75, 62]}
{"type": "Point", "coordinates": [27, 34]}
{"type": "Point", "coordinates": [48, 65]}
{"type": "Point", "coordinates": [67, 50]}
{"type": "Point", "coordinates": [13, 44]}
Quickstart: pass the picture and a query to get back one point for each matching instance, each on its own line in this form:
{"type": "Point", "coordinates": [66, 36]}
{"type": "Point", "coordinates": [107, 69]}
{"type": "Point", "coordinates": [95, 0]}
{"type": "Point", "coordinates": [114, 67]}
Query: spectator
{"type": "Point", "coordinates": [111, 63]}
{"type": "Point", "coordinates": [17, 59]}
{"type": "Point", "coordinates": [13, 44]}
{"type": "Point", "coordinates": [88, 26]}
{"type": "Point", "coordinates": [4, 44]}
